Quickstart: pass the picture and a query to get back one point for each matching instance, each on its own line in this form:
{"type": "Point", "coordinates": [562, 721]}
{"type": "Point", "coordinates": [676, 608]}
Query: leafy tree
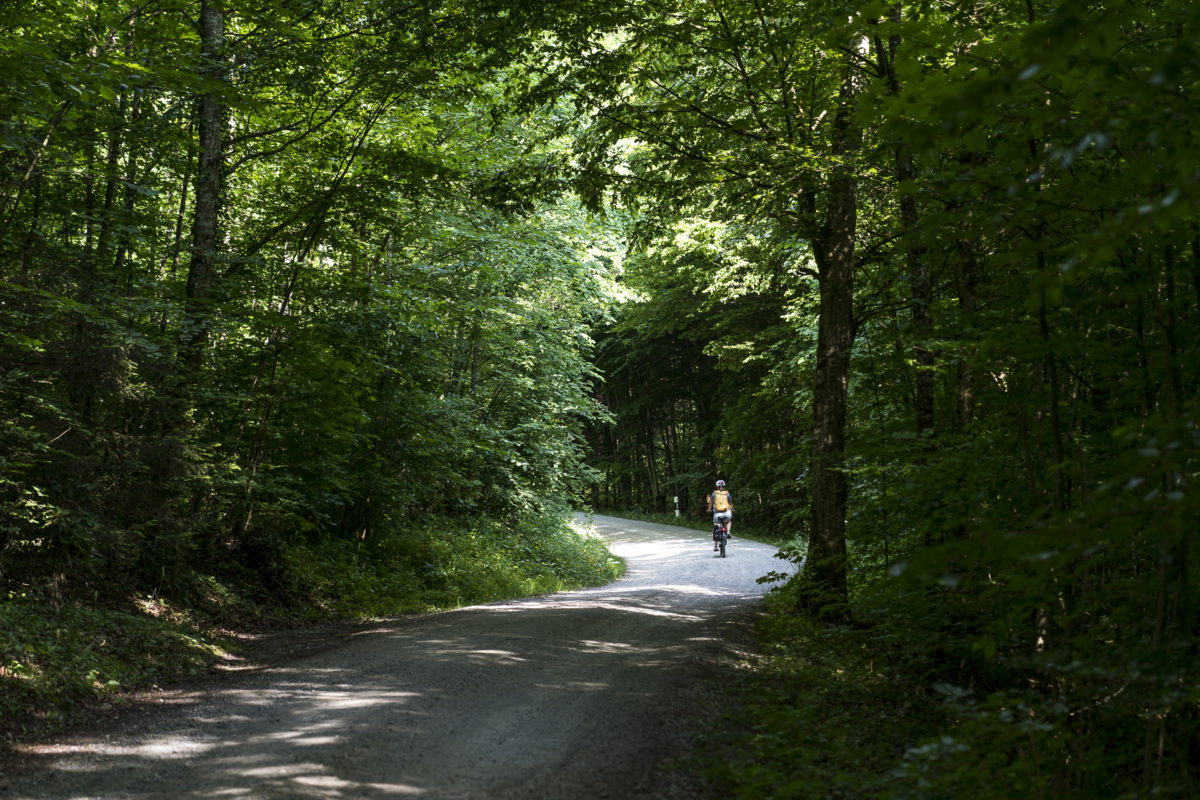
{"type": "Point", "coordinates": [275, 273]}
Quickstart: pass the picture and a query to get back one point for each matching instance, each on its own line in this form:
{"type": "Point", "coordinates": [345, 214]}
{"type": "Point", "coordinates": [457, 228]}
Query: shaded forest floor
{"type": "Point", "coordinates": [816, 716]}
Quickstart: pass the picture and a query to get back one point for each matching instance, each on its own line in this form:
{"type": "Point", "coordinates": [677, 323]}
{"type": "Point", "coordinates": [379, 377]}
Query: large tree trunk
{"type": "Point", "coordinates": [825, 569]}
{"type": "Point", "coordinates": [826, 565]}
{"type": "Point", "coordinates": [208, 187]}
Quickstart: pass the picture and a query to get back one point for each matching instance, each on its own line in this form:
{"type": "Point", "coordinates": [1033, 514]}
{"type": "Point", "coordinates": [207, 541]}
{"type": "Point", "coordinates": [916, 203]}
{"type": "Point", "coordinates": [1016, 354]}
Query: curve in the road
{"type": "Point", "coordinates": [582, 694]}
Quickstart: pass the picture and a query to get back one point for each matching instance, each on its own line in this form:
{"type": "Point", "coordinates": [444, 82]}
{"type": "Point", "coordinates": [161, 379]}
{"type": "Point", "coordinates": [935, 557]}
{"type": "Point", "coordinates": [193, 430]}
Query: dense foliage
{"type": "Point", "coordinates": [985, 423]}
{"type": "Point", "coordinates": [272, 275]}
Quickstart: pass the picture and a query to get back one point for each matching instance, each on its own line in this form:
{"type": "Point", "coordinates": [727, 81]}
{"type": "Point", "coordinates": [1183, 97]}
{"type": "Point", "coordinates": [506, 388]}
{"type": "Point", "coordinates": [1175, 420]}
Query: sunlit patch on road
{"type": "Point", "coordinates": [549, 697]}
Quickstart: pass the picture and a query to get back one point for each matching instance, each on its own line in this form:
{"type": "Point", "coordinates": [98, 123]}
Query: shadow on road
{"type": "Point", "coordinates": [573, 695]}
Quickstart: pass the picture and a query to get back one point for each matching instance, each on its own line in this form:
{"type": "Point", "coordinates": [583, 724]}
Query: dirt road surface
{"type": "Point", "coordinates": [589, 694]}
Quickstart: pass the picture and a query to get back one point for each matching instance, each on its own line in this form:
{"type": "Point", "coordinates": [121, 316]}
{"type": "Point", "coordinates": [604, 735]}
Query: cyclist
{"type": "Point", "coordinates": [720, 505]}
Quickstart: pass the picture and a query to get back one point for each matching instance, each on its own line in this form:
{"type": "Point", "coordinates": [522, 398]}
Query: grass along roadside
{"type": "Point", "coordinates": [61, 656]}
{"type": "Point", "coordinates": [58, 657]}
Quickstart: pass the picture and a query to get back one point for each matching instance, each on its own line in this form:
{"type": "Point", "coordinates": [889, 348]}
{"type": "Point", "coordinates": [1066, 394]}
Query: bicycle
{"type": "Point", "coordinates": [721, 535]}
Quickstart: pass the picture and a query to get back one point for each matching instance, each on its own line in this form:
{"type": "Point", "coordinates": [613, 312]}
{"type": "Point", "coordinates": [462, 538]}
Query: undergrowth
{"type": "Point", "coordinates": [446, 564]}
{"type": "Point", "coordinates": [56, 656]}
{"type": "Point", "coordinates": [901, 705]}
{"type": "Point", "coordinates": [59, 655]}
{"type": "Point", "coordinates": [820, 715]}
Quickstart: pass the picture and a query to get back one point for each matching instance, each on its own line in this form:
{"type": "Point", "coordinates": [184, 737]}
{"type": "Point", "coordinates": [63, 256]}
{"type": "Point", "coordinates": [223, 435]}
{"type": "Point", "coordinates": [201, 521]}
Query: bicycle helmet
{"type": "Point", "coordinates": [720, 484]}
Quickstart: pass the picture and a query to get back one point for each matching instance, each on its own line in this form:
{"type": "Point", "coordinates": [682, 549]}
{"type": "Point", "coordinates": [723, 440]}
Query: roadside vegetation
{"type": "Point", "coordinates": [825, 711]}
{"type": "Point", "coordinates": [896, 705]}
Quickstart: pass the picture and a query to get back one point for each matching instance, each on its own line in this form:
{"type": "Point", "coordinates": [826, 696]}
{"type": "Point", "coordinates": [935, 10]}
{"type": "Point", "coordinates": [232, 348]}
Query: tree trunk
{"type": "Point", "coordinates": [921, 302]}
{"type": "Point", "coordinates": [825, 569]}
{"type": "Point", "coordinates": [177, 236]}
{"type": "Point", "coordinates": [1056, 427]}
{"type": "Point", "coordinates": [111, 165]}
{"type": "Point", "coordinates": [967, 307]}
{"type": "Point", "coordinates": [208, 187]}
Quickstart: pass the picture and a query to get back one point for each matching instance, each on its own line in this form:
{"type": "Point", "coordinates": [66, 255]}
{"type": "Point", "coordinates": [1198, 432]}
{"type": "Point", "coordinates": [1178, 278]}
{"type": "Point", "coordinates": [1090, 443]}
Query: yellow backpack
{"type": "Point", "coordinates": [721, 500]}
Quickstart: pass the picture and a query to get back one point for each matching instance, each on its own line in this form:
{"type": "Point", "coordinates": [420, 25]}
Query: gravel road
{"type": "Point", "coordinates": [588, 694]}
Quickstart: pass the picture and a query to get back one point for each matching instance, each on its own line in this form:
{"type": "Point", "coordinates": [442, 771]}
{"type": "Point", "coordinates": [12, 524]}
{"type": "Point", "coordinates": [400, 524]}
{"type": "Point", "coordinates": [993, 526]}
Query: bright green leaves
{"type": "Point", "coordinates": [399, 305]}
